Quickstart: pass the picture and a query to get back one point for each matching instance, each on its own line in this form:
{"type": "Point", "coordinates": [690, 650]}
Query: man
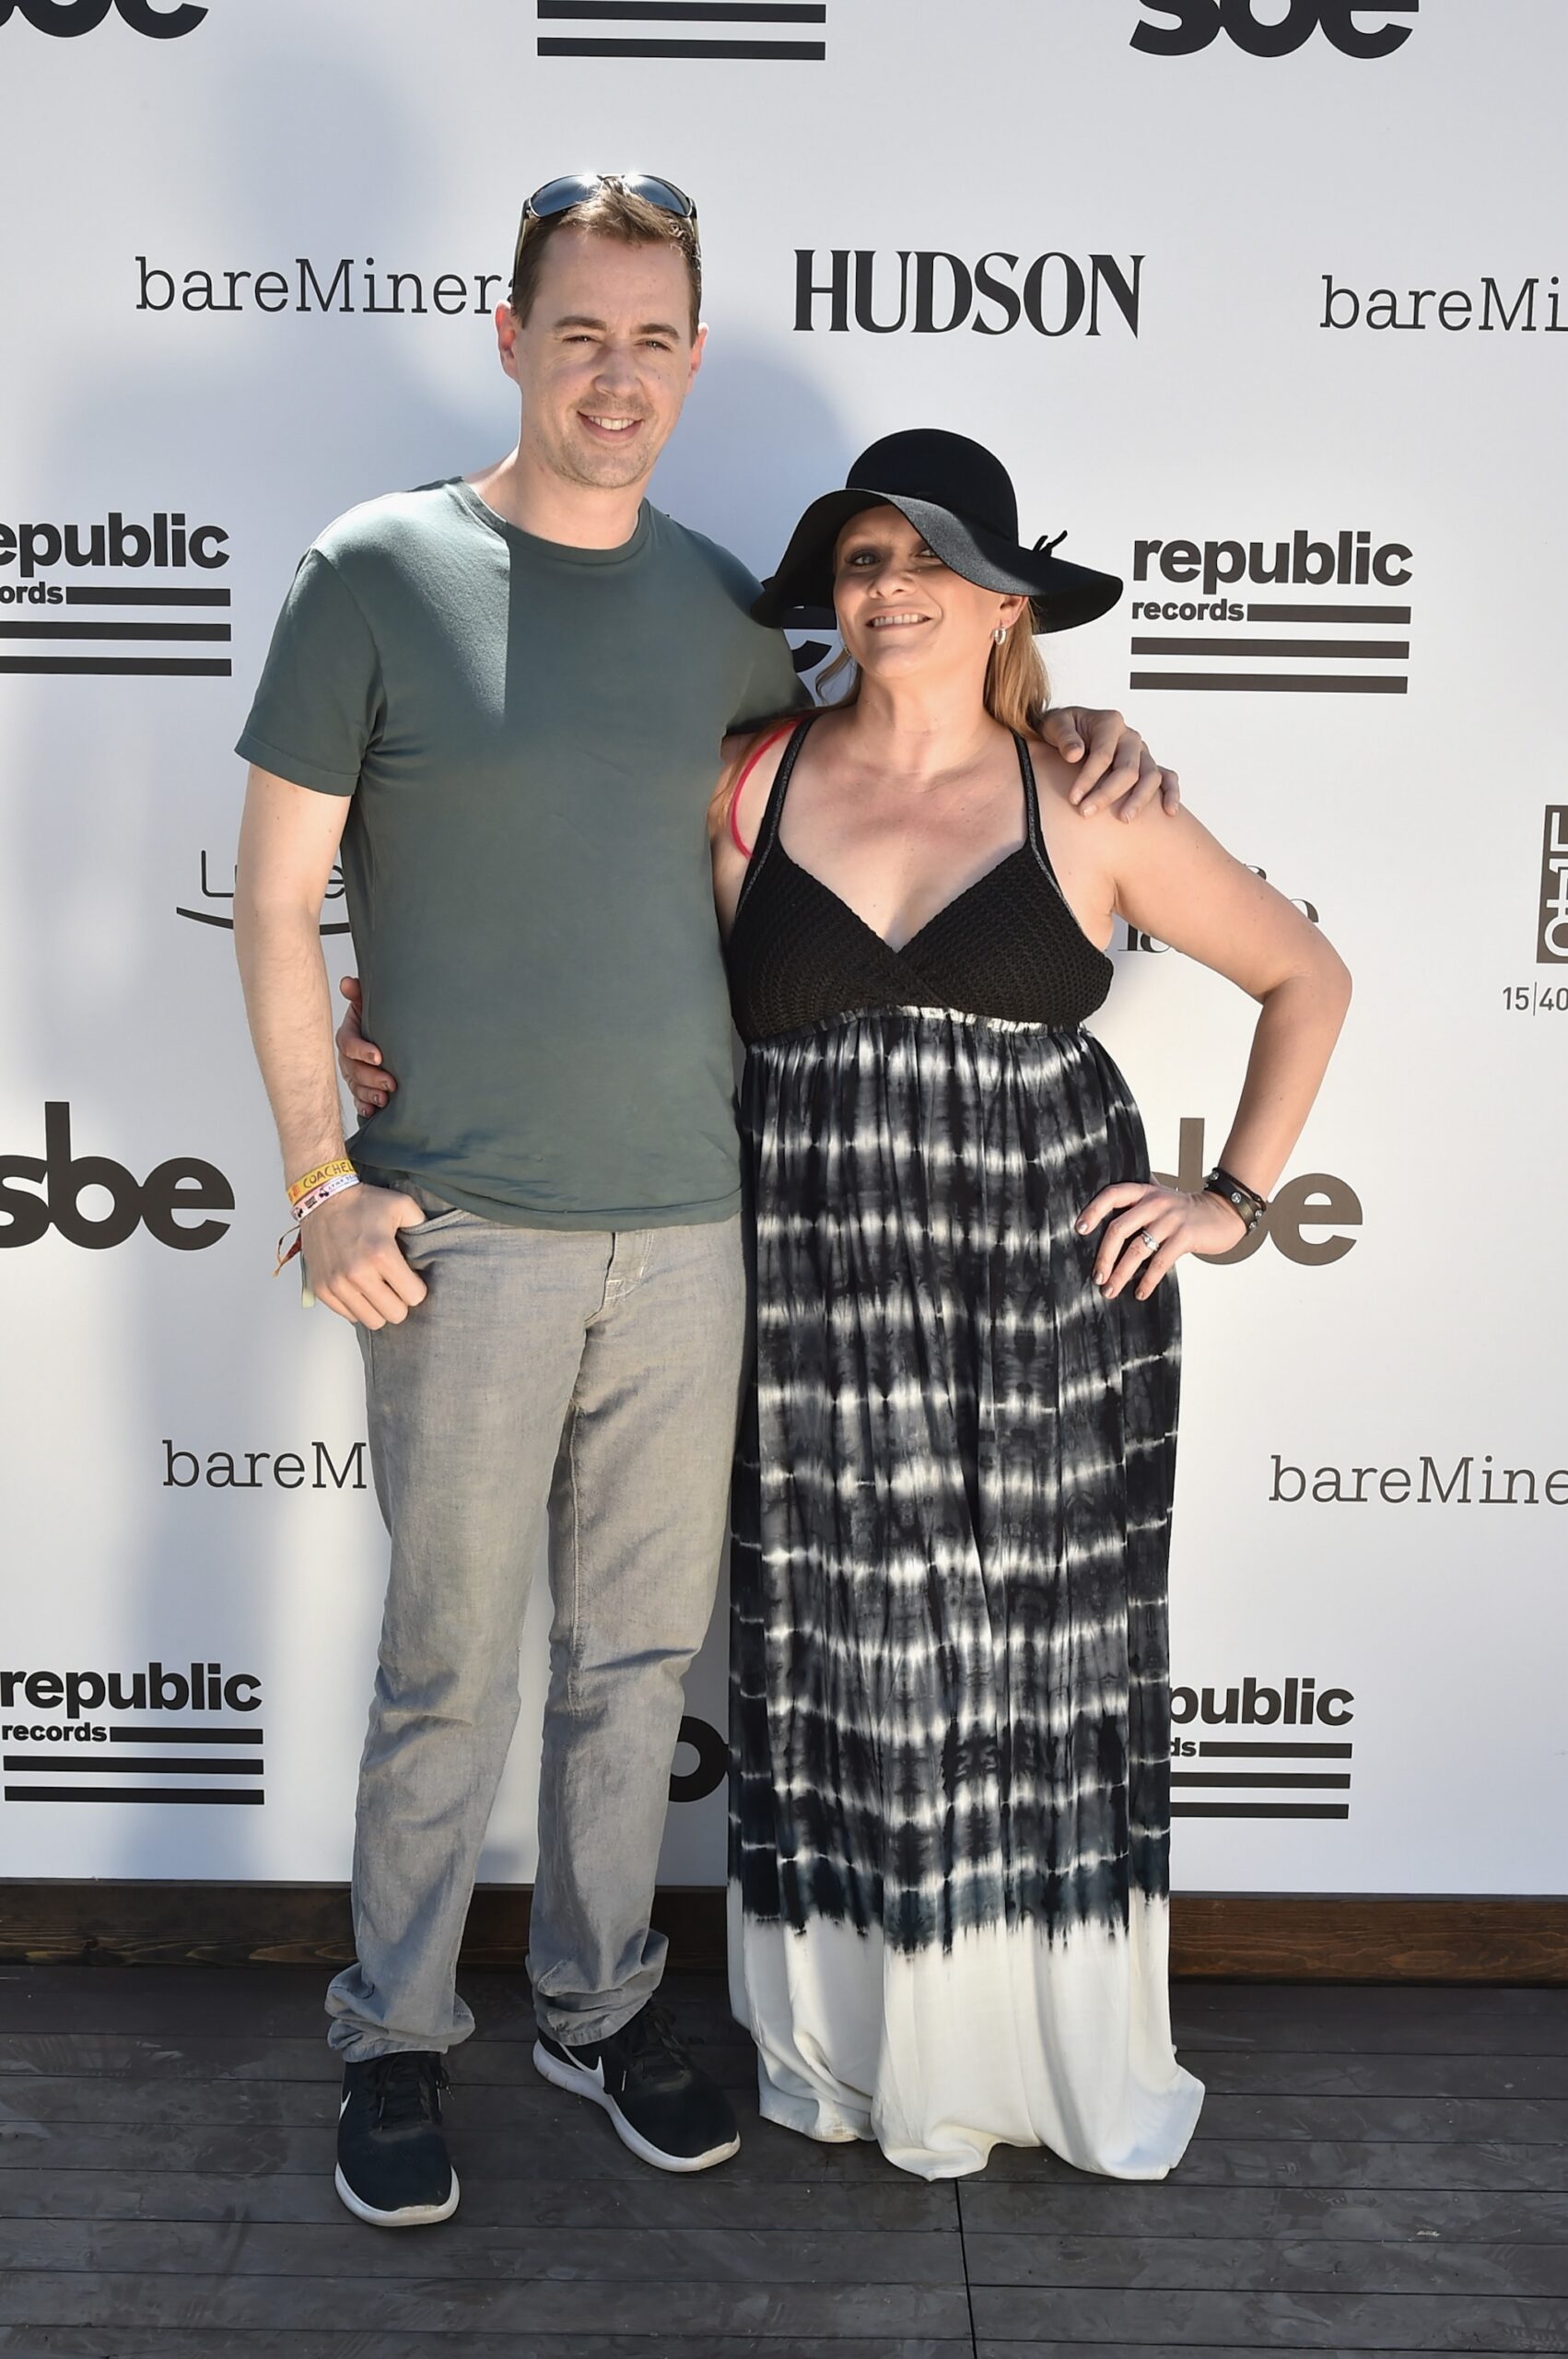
{"type": "Point", "coordinates": [504, 697]}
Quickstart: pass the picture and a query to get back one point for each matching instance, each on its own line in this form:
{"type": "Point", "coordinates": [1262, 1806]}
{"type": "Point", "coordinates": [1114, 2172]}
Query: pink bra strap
{"type": "Point", "coordinates": [751, 762]}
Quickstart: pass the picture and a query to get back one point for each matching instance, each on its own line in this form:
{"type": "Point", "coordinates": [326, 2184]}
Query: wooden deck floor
{"type": "Point", "coordinates": [1376, 2170]}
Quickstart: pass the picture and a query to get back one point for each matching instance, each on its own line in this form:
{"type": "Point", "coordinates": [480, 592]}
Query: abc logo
{"type": "Point", "coordinates": [67, 18]}
{"type": "Point", "coordinates": [1200, 22]}
{"type": "Point", "coordinates": [178, 1187]}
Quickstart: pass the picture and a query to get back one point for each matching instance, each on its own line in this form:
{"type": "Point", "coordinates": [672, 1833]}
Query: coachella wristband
{"type": "Point", "coordinates": [347, 1178]}
{"type": "Point", "coordinates": [335, 1169]}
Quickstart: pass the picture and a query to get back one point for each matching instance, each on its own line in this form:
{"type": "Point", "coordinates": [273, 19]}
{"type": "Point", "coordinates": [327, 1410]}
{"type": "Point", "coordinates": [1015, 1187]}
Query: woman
{"type": "Point", "coordinates": [950, 1813]}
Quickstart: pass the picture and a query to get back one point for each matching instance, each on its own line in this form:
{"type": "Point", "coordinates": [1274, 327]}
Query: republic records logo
{"type": "Point", "coordinates": [76, 599]}
{"type": "Point", "coordinates": [1263, 1751]}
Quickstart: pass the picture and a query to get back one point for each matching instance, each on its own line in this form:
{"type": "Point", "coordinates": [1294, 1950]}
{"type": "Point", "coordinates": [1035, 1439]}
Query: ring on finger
{"type": "Point", "coordinates": [1151, 1242]}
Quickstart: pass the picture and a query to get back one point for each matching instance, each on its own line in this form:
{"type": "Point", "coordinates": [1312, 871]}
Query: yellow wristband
{"type": "Point", "coordinates": [334, 1171]}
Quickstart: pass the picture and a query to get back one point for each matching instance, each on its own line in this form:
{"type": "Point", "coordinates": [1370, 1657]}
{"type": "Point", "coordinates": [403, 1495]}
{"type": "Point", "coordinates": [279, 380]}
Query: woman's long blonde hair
{"type": "Point", "coordinates": [1018, 687]}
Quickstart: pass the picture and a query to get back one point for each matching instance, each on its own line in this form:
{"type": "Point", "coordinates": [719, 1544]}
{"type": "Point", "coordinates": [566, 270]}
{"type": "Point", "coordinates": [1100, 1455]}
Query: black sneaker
{"type": "Point", "coordinates": [392, 2155]}
{"type": "Point", "coordinates": [663, 2108]}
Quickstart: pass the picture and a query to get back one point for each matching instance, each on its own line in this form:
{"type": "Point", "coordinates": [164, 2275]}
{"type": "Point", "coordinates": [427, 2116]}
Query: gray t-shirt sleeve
{"type": "Point", "coordinates": [773, 685]}
{"type": "Point", "coordinates": [318, 707]}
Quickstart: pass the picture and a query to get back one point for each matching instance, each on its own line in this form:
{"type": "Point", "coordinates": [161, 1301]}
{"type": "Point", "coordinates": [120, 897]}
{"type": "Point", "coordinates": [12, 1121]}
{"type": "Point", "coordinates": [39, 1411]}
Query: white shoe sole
{"type": "Point", "coordinates": [580, 2083]}
{"type": "Point", "coordinates": [416, 2215]}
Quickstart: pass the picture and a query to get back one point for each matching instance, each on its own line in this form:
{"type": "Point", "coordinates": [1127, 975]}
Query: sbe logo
{"type": "Point", "coordinates": [1199, 23]}
{"type": "Point", "coordinates": [65, 19]}
{"type": "Point", "coordinates": [163, 1201]}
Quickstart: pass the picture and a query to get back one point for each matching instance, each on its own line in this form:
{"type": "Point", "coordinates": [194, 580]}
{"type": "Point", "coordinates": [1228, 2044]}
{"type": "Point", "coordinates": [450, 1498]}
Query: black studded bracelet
{"type": "Point", "coordinates": [1241, 1199]}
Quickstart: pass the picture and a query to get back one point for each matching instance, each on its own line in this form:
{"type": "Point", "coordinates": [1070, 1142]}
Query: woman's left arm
{"type": "Point", "coordinates": [1175, 882]}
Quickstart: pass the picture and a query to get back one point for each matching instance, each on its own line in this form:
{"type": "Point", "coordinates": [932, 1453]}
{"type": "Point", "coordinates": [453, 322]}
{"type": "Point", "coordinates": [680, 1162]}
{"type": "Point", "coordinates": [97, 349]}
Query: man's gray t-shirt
{"type": "Point", "coordinates": [531, 736]}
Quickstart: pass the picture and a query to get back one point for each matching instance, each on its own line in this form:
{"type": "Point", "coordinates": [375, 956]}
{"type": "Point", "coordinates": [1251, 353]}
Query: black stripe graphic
{"type": "Point", "coordinates": [809, 51]}
{"type": "Point", "coordinates": [148, 1767]}
{"type": "Point", "coordinates": [131, 1794]}
{"type": "Point", "coordinates": [1382, 651]}
{"type": "Point", "coordinates": [1257, 1778]}
{"type": "Point", "coordinates": [83, 596]}
{"type": "Point", "coordinates": [1225, 1748]}
{"type": "Point", "coordinates": [1276, 683]}
{"type": "Point", "coordinates": [185, 1736]}
{"type": "Point", "coordinates": [688, 12]}
{"type": "Point", "coordinates": [121, 666]}
{"type": "Point", "coordinates": [1260, 1810]}
{"type": "Point", "coordinates": [115, 630]}
{"type": "Point", "coordinates": [1269, 613]}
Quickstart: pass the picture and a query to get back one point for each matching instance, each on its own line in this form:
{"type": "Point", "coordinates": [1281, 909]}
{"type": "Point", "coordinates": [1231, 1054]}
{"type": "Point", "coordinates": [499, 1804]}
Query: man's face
{"type": "Point", "coordinates": [605, 359]}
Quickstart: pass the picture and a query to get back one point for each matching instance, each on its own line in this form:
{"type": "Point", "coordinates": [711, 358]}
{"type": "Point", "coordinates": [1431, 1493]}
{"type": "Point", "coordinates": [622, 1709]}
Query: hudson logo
{"type": "Point", "coordinates": [1317, 631]}
{"type": "Point", "coordinates": [55, 1735]}
{"type": "Point", "coordinates": [1551, 935]}
{"type": "Point", "coordinates": [219, 900]}
{"type": "Point", "coordinates": [95, 616]}
{"type": "Point", "coordinates": [41, 1192]}
{"type": "Point", "coordinates": [769, 31]}
{"type": "Point", "coordinates": [1254, 1784]}
{"type": "Point", "coordinates": [1199, 23]}
{"type": "Point", "coordinates": [67, 18]}
{"type": "Point", "coordinates": [1312, 1200]}
{"type": "Point", "coordinates": [931, 293]}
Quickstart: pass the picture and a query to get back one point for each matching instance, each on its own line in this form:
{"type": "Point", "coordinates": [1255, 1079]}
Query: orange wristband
{"type": "Point", "coordinates": [314, 1179]}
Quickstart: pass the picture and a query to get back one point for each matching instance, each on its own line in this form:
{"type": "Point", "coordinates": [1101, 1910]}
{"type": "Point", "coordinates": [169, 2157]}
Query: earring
{"type": "Point", "coordinates": [999, 635]}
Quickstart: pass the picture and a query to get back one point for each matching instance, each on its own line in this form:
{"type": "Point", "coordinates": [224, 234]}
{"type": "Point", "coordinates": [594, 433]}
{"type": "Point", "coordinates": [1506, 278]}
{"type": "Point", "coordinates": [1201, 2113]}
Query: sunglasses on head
{"type": "Point", "coordinates": [575, 188]}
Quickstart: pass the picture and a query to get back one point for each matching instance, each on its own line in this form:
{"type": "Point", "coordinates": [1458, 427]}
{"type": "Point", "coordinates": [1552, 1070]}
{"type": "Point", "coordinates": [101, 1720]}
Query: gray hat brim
{"type": "Point", "coordinates": [799, 595]}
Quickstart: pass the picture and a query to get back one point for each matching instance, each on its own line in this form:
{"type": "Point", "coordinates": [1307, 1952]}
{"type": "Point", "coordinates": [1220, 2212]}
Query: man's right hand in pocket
{"type": "Point", "coordinates": [353, 1258]}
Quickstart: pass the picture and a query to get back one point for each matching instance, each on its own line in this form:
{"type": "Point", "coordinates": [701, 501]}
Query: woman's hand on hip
{"type": "Point", "coordinates": [359, 1060]}
{"type": "Point", "coordinates": [1148, 1229]}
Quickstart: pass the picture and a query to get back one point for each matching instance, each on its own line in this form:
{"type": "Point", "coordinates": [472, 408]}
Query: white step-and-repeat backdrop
{"type": "Point", "coordinates": [1264, 301]}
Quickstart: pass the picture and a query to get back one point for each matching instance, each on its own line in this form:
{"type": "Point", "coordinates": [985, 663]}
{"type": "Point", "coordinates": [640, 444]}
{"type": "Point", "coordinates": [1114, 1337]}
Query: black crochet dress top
{"type": "Point", "coordinates": [1008, 945]}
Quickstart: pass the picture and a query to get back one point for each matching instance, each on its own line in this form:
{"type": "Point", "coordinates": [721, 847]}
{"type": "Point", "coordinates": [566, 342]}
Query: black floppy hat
{"type": "Point", "coordinates": [961, 498]}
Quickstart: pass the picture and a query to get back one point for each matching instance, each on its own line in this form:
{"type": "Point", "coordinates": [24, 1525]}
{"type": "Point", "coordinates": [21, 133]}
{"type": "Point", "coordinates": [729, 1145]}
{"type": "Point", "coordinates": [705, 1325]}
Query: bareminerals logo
{"type": "Point", "coordinates": [76, 599]}
{"type": "Point", "coordinates": [191, 1735]}
{"type": "Point", "coordinates": [68, 19]}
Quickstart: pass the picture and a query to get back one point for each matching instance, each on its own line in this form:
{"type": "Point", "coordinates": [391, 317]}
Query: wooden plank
{"type": "Point", "coordinates": [1168, 2321]}
{"type": "Point", "coordinates": [1226, 2018]}
{"type": "Point", "coordinates": [1315, 2163]}
{"type": "Point", "coordinates": [534, 2107]}
{"type": "Point", "coordinates": [1188, 2351]}
{"type": "Point", "coordinates": [1354, 2019]}
{"type": "Point", "coordinates": [538, 2109]}
{"type": "Point", "coordinates": [265, 2002]}
{"type": "Point", "coordinates": [723, 2050]}
{"type": "Point", "coordinates": [264, 2343]}
{"type": "Point", "coordinates": [583, 2147]}
{"type": "Point", "coordinates": [1269, 2264]}
{"type": "Point", "coordinates": [711, 2200]}
{"type": "Point", "coordinates": [1394, 1938]}
{"type": "Point", "coordinates": [478, 2063]}
{"type": "Point", "coordinates": [1400, 1937]}
{"type": "Point", "coordinates": [1174, 2207]}
{"type": "Point", "coordinates": [364, 2305]}
{"type": "Point", "coordinates": [600, 2256]}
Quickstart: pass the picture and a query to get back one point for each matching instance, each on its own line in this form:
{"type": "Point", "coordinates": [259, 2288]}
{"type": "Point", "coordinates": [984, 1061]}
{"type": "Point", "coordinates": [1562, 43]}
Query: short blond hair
{"type": "Point", "coordinates": [610, 212]}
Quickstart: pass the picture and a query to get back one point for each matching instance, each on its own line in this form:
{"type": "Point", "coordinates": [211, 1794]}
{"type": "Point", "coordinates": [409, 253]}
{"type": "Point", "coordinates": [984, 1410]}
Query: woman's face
{"type": "Point", "coordinates": [901, 611]}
